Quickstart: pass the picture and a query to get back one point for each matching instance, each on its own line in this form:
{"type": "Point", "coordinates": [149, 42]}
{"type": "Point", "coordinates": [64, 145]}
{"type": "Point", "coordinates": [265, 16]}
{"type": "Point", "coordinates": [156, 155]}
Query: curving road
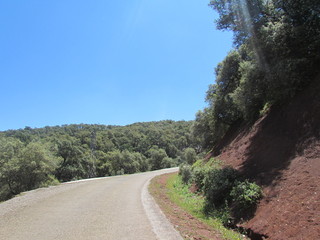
{"type": "Point", "coordinates": [104, 208]}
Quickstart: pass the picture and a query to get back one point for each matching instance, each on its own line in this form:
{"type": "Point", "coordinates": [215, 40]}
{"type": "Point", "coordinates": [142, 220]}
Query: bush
{"type": "Point", "coordinates": [186, 173]}
{"type": "Point", "coordinates": [218, 184]}
{"type": "Point", "coordinates": [51, 181]}
{"type": "Point", "coordinates": [245, 194]}
{"type": "Point", "coordinates": [223, 213]}
{"type": "Point", "coordinates": [201, 168]}
{"type": "Point", "coordinates": [198, 177]}
{"type": "Point", "coordinates": [189, 155]}
{"type": "Point", "coordinates": [227, 197]}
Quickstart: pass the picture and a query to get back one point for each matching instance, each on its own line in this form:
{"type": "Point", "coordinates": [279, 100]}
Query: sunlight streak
{"type": "Point", "coordinates": [245, 19]}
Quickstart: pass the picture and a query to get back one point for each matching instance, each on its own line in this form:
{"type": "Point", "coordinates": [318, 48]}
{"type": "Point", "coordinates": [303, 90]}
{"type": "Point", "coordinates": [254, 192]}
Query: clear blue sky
{"type": "Point", "coordinates": [106, 62]}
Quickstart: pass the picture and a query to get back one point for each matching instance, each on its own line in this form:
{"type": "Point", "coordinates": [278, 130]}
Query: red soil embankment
{"type": "Point", "coordinates": [281, 152]}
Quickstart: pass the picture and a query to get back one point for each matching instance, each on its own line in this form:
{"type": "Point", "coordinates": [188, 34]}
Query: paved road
{"type": "Point", "coordinates": [107, 208]}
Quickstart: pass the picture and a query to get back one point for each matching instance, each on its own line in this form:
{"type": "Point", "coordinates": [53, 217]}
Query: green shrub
{"type": "Point", "coordinates": [186, 173]}
{"type": "Point", "coordinates": [223, 213]}
{"type": "Point", "coordinates": [227, 198]}
{"type": "Point", "coordinates": [51, 181]}
{"type": "Point", "coordinates": [203, 163]}
{"type": "Point", "coordinates": [218, 184]}
{"type": "Point", "coordinates": [245, 194]}
{"type": "Point", "coordinates": [199, 163]}
{"type": "Point", "coordinates": [200, 170]}
{"type": "Point", "coordinates": [198, 177]}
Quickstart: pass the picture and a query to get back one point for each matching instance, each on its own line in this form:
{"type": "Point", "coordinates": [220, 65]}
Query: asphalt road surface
{"type": "Point", "coordinates": [105, 208]}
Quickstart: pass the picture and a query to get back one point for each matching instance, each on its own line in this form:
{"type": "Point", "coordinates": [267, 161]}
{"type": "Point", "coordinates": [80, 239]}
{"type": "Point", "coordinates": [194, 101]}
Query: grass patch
{"type": "Point", "coordinates": [210, 163]}
{"type": "Point", "coordinates": [180, 194]}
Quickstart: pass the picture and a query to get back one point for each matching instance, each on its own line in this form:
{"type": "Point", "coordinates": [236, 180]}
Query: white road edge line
{"type": "Point", "coordinates": [160, 224]}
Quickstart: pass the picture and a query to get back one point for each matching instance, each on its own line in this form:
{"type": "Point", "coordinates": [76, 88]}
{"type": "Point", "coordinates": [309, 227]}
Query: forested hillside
{"type": "Point", "coordinates": [30, 158]}
{"type": "Point", "coordinates": [262, 121]}
{"type": "Point", "coordinates": [276, 54]}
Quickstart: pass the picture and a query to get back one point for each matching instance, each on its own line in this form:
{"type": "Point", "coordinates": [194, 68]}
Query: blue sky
{"type": "Point", "coordinates": [106, 62]}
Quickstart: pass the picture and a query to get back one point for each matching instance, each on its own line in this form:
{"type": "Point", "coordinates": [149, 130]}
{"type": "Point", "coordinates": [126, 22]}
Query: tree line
{"type": "Point", "coordinates": [31, 158]}
{"type": "Point", "coordinates": [276, 54]}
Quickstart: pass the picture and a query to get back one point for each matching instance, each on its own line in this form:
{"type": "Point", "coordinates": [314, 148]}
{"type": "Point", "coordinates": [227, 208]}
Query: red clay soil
{"type": "Point", "coordinates": [281, 152]}
{"type": "Point", "coordinates": [189, 227]}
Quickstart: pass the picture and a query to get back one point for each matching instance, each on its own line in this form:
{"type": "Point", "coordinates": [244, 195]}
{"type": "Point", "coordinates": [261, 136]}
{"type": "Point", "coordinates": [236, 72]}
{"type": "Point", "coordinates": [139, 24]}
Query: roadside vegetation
{"type": "Point", "coordinates": [195, 203]}
{"type": "Point", "coordinates": [226, 195]}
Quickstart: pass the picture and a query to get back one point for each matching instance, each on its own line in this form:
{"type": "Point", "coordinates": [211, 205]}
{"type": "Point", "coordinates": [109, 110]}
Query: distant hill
{"type": "Point", "coordinates": [31, 158]}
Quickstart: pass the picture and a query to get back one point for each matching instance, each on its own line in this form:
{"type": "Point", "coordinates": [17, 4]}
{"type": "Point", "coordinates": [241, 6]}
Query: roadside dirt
{"type": "Point", "coordinates": [281, 152]}
{"type": "Point", "coordinates": [187, 225]}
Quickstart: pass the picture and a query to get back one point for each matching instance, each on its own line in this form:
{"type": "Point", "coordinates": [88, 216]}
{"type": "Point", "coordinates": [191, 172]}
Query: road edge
{"type": "Point", "coordinates": [161, 226]}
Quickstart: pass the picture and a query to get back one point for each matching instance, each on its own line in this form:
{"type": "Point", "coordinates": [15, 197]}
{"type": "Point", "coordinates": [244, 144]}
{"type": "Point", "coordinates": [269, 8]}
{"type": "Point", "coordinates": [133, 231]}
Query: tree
{"type": "Point", "coordinates": [156, 158]}
{"type": "Point", "coordinates": [25, 167]}
{"type": "Point", "coordinates": [189, 156]}
{"type": "Point", "coordinates": [242, 17]}
{"type": "Point", "coordinates": [276, 55]}
{"type": "Point", "coordinates": [10, 148]}
{"type": "Point", "coordinates": [104, 167]}
{"type": "Point", "coordinates": [74, 160]}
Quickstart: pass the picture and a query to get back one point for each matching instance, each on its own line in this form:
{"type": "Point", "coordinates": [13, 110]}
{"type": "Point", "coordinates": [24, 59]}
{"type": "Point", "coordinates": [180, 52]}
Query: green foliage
{"type": "Point", "coordinates": [217, 186]}
{"type": "Point", "coordinates": [31, 158]}
{"type": "Point", "coordinates": [226, 196]}
{"type": "Point", "coordinates": [277, 45]}
{"type": "Point", "coordinates": [158, 158]}
{"type": "Point", "coordinates": [219, 96]}
{"type": "Point", "coordinates": [75, 161]}
{"type": "Point", "coordinates": [51, 181]}
{"type": "Point", "coordinates": [265, 109]}
{"type": "Point", "coordinates": [193, 203]}
{"type": "Point", "coordinates": [203, 128]}
{"type": "Point", "coordinates": [208, 163]}
{"type": "Point", "coordinates": [168, 162]}
{"type": "Point", "coordinates": [186, 173]}
{"type": "Point", "coordinates": [189, 155]}
{"type": "Point", "coordinates": [245, 194]}
{"type": "Point", "coordinates": [24, 167]}
{"type": "Point", "coordinates": [201, 169]}
{"type": "Point", "coordinates": [117, 163]}
{"type": "Point", "coordinates": [198, 176]}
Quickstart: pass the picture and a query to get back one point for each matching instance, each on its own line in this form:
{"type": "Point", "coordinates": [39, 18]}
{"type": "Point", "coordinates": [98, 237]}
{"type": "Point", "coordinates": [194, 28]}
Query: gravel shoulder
{"type": "Point", "coordinates": [189, 227]}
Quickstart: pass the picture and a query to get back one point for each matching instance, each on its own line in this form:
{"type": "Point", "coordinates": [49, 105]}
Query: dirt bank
{"type": "Point", "coordinates": [281, 151]}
